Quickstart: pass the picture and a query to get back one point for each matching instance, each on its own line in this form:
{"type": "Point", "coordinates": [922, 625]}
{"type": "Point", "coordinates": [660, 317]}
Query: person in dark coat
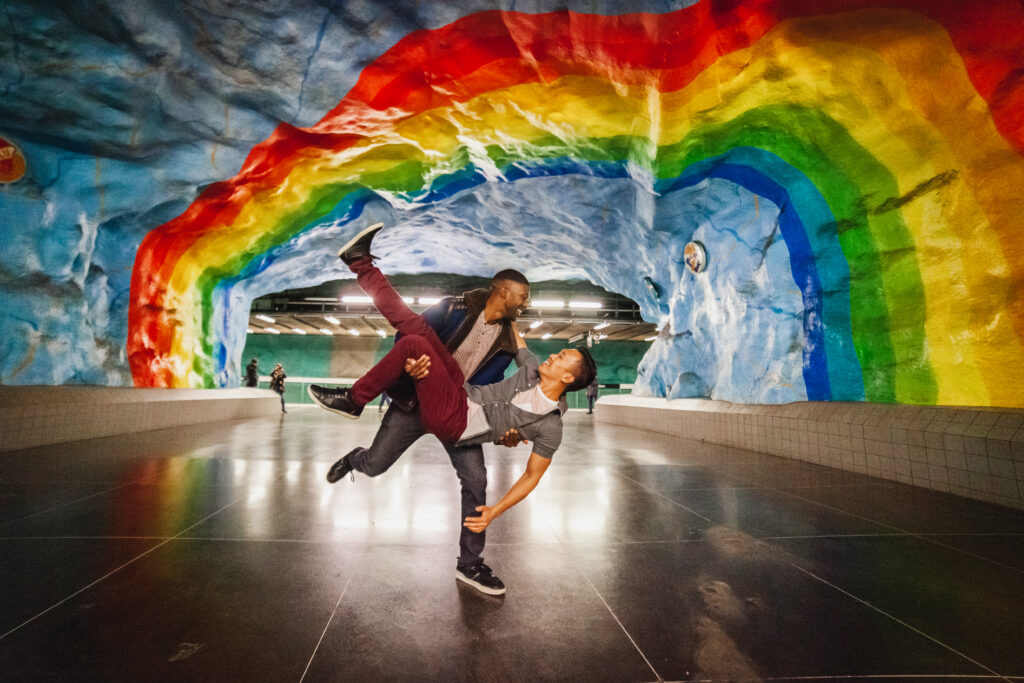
{"type": "Point", "coordinates": [277, 383]}
{"type": "Point", "coordinates": [591, 396]}
{"type": "Point", "coordinates": [252, 375]}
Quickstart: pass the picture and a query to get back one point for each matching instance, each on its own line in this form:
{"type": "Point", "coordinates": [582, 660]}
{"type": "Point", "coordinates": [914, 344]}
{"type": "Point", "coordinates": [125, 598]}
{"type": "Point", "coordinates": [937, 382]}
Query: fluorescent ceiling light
{"type": "Point", "coordinates": [249, 330]}
{"type": "Point", "coordinates": [271, 330]}
{"type": "Point", "coordinates": [353, 331]}
{"type": "Point", "coordinates": [651, 338]}
{"type": "Point", "coordinates": [408, 299]}
{"type": "Point", "coordinates": [601, 326]}
{"type": "Point", "coordinates": [266, 318]}
{"type": "Point", "coordinates": [547, 303]}
{"type": "Point", "coordinates": [429, 300]}
{"type": "Point", "coordinates": [584, 304]}
{"type": "Point", "coordinates": [326, 331]}
{"type": "Point", "coordinates": [535, 324]}
{"type": "Point", "coordinates": [381, 333]}
{"type": "Point", "coordinates": [546, 335]}
{"type": "Point", "coordinates": [332, 320]}
{"type": "Point", "coordinates": [298, 331]}
{"type": "Point", "coordinates": [356, 300]}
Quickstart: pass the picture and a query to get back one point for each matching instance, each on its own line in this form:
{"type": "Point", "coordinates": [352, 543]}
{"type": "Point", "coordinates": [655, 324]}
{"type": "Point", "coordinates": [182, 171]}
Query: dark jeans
{"type": "Point", "coordinates": [442, 398]}
{"type": "Point", "coordinates": [398, 430]}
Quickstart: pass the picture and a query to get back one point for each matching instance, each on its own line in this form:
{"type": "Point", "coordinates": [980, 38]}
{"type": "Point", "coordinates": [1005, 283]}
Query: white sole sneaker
{"type": "Point", "coordinates": [362, 233]}
{"type": "Point", "coordinates": [309, 390]}
{"type": "Point", "coordinates": [479, 586]}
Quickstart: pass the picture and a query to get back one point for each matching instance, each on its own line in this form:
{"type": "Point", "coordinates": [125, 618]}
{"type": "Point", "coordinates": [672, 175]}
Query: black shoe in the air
{"type": "Point", "coordinates": [341, 468]}
{"type": "Point", "coordinates": [358, 247]}
{"type": "Point", "coordinates": [480, 577]}
{"type": "Point", "coordinates": [335, 399]}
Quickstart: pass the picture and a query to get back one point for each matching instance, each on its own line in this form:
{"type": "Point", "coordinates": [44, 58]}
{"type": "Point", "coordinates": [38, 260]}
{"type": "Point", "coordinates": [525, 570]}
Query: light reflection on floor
{"type": "Point", "coordinates": [219, 553]}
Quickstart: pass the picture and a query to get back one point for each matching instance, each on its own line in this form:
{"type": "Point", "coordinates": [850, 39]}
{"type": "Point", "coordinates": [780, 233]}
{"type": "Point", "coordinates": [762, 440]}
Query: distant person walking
{"type": "Point", "coordinates": [277, 383]}
{"type": "Point", "coordinates": [252, 374]}
{"type": "Point", "coordinates": [591, 395]}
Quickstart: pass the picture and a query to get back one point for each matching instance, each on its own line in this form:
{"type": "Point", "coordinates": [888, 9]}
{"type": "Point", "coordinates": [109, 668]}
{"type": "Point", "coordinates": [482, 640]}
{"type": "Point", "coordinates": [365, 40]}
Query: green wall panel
{"type": "Point", "coordinates": [322, 356]}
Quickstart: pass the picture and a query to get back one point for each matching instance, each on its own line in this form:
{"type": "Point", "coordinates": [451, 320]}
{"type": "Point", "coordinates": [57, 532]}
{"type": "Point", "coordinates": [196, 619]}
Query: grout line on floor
{"type": "Point", "coordinates": [86, 538]}
{"type": "Point", "coordinates": [894, 618]}
{"type": "Point", "coordinates": [330, 619]}
{"type": "Point", "coordinates": [904, 532]}
{"type": "Point", "coordinates": [898, 677]}
{"type": "Point", "coordinates": [605, 603]}
{"type": "Point", "coordinates": [65, 504]}
{"type": "Point", "coordinates": [616, 618]}
{"type": "Point", "coordinates": [659, 495]}
{"type": "Point", "coordinates": [114, 571]}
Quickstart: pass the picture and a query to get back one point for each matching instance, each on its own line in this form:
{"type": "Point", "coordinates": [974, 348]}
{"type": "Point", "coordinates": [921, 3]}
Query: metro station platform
{"type": "Point", "coordinates": [218, 553]}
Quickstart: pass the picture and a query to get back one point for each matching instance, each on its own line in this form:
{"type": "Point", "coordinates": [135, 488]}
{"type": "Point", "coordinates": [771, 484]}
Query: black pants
{"type": "Point", "coordinates": [398, 430]}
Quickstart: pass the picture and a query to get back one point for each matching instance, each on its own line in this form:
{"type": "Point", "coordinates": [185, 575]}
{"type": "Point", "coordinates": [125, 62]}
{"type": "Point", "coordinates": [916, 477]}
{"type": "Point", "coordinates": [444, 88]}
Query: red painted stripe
{"type": "Point", "coordinates": [494, 49]}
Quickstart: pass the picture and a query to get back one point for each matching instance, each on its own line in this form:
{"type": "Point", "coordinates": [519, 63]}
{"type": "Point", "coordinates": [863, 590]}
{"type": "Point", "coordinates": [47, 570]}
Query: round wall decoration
{"type": "Point", "coordinates": [12, 162]}
{"type": "Point", "coordinates": [695, 256]}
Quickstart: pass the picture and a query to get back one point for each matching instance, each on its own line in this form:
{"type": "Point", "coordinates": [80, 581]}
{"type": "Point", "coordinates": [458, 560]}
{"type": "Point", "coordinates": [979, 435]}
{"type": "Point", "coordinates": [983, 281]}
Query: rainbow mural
{"type": "Point", "coordinates": [889, 134]}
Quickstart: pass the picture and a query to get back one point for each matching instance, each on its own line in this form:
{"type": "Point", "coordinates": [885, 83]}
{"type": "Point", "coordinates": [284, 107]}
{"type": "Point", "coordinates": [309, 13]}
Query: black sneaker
{"type": "Point", "coordinates": [359, 246]}
{"type": "Point", "coordinates": [480, 577]}
{"type": "Point", "coordinates": [335, 399]}
{"type": "Point", "coordinates": [341, 468]}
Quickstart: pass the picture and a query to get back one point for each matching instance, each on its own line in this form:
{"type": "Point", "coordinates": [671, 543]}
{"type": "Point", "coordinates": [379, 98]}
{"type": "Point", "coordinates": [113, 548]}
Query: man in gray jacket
{"type": "Point", "coordinates": [531, 401]}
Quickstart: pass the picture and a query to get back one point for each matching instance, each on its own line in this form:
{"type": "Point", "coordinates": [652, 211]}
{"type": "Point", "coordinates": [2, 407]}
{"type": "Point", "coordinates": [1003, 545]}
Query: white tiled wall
{"type": "Point", "coordinates": [39, 416]}
{"type": "Point", "coordinates": [972, 452]}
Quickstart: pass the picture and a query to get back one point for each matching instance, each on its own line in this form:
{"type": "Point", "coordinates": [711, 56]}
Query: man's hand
{"type": "Point", "coordinates": [511, 438]}
{"type": "Point", "coordinates": [418, 368]}
{"type": "Point", "coordinates": [478, 524]}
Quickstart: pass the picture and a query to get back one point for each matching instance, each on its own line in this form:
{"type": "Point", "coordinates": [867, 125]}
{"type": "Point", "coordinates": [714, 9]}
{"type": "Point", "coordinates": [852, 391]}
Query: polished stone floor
{"type": "Point", "coordinates": [218, 553]}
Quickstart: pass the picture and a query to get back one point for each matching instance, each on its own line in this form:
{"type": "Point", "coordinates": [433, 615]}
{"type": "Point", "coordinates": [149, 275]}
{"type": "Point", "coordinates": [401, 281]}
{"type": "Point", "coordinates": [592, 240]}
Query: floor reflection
{"type": "Point", "coordinates": [220, 553]}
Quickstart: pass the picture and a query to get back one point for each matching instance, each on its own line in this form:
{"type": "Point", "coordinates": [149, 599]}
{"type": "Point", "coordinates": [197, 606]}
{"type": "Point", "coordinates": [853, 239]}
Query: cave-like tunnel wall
{"type": "Point", "coordinates": [853, 172]}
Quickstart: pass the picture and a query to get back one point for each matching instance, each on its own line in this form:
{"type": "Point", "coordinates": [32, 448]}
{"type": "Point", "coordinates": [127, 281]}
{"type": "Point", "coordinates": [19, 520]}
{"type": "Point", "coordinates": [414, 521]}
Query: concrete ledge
{"type": "Point", "coordinates": [40, 416]}
{"type": "Point", "coordinates": [973, 452]}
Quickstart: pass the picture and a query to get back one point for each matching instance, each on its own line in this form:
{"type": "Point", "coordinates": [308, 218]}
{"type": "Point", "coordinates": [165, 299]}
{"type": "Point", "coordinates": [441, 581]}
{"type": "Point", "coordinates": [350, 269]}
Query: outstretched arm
{"type": "Point", "coordinates": [520, 342]}
{"type": "Point", "coordinates": [535, 469]}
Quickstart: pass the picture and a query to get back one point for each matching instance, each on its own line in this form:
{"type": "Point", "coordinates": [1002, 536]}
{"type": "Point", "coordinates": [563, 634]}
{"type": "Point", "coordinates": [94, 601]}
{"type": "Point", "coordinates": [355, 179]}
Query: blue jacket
{"type": "Point", "coordinates": [452, 319]}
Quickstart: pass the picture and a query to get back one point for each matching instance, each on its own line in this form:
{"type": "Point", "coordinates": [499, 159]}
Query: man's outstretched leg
{"type": "Point", "coordinates": [397, 432]}
{"type": "Point", "coordinates": [444, 411]}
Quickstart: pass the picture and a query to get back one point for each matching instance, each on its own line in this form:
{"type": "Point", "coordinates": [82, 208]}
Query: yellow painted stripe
{"type": "Point", "coordinates": [891, 114]}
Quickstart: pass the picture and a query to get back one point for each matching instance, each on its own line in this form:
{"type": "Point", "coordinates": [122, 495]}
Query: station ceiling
{"type": "Point", "coordinates": [556, 312]}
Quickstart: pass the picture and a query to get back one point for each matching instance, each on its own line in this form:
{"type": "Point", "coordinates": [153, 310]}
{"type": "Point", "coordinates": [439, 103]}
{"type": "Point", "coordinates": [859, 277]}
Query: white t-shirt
{"type": "Point", "coordinates": [534, 401]}
{"type": "Point", "coordinates": [476, 421]}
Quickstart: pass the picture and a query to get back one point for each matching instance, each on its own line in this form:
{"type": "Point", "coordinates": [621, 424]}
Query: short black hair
{"type": "Point", "coordinates": [509, 275]}
{"type": "Point", "coordinates": [587, 371]}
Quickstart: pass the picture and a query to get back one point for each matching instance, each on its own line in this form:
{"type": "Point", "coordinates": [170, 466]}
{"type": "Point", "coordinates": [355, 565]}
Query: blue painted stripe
{"type": "Point", "coordinates": [828, 340]}
{"type": "Point", "coordinates": [817, 224]}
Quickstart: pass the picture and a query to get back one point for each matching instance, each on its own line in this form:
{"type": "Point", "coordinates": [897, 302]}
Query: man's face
{"type": "Point", "coordinates": [562, 365]}
{"type": "Point", "coordinates": [515, 298]}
